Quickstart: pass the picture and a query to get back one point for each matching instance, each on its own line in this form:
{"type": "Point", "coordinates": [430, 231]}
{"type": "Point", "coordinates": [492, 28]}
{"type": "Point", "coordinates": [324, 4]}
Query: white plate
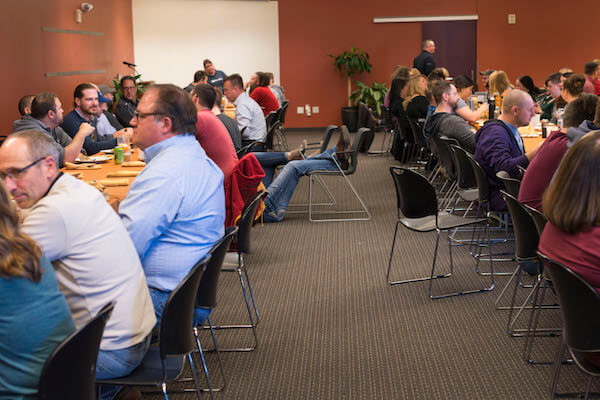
{"type": "Point", "coordinates": [108, 151]}
{"type": "Point", "coordinates": [94, 159]}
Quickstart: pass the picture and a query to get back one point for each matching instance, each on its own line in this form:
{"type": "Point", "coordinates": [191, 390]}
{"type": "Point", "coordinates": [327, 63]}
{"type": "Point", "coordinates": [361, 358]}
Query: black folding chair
{"type": "Point", "coordinates": [70, 371]}
{"type": "Point", "coordinates": [165, 362]}
{"type": "Point", "coordinates": [580, 309]}
{"type": "Point", "coordinates": [418, 211]}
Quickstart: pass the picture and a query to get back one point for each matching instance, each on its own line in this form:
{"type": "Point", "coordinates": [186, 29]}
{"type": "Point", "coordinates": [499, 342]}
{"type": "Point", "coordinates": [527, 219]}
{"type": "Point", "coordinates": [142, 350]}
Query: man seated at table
{"type": "Point", "coordinates": [175, 208]}
{"type": "Point", "coordinates": [86, 108]}
{"type": "Point", "coordinates": [230, 124]}
{"type": "Point", "coordinates": [125, 108]}
{"type": "Point", "coordinates": [199, 77]}
{"type": "Point", "coordinates": [211, 133]}
{"type": "Point", "coordinates": [444, 123]}
{"type": "Point", "coordinates": [464, 87]}
{"type": "Point", "coordinates": [46, 116]}
{"type": "Point", "coordinates": [577, 119]}
{"type": "Point", "coordinates": [548, 102]}
{"type": "Point", "coordinates": [498, 144]}
{"type": "Point", "coordinates": [88, 246]}
{"type": "Point", "coordinates": [25, 104]}
{"type": "Point", "coordinates": [248, 114]}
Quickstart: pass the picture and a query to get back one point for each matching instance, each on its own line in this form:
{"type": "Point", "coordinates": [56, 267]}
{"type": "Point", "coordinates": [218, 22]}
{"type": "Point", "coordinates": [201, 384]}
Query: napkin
{"type": "Point", "coordinates": [120, 174]}
{"type": "Point", "coordinates": [133, 164]}
{"type": "Point", "coordinates": [113, 182]}
{"type": "Point", "coordinates": [69, 165]}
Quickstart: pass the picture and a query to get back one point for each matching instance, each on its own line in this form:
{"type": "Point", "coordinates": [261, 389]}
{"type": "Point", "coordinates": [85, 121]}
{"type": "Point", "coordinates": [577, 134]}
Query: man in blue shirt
{"type": "Point", "coordinates": [499, 147]}
{"type": "Point", "coordinates": [215, 76]}
{"type": "Point", "coordinates": [248, 114]}
{"type": "Point", "coordinates": [175, 208]}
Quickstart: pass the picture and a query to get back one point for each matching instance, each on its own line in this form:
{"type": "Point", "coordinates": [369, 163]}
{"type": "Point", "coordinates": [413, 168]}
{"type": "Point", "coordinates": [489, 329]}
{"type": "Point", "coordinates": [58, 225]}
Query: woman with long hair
{"type": "Point", "coordinates": [499, 83]}
{"type": "Point", "coordinates": [525, 83]}
{"type": "Point", "coordinates": [34, 315]}
{"type": "Point", "coordinates": [415, 103]}
{"type": "Point", "coordinates": [572, 205]}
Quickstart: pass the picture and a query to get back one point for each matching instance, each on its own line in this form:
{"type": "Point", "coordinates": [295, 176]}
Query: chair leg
{"type": "Point", "coordinates": [425, 278]}
{"type": "Point", "coordinates": [557, 365]}
{"type": "Point", "coordinates": [251, 294]}
{"type": "Point", "coordinates": [205, 367]}
{"type": "Point", "coordinates": [486, 289]}
{"type": "Point", "coordinates": [194, 375]}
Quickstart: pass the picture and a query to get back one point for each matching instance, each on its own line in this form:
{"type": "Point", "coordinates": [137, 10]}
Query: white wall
{"type": "Point", "coordinates": [171, 38]}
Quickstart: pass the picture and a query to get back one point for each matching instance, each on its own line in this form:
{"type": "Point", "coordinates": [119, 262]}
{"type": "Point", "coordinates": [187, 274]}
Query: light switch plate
{"type": "Point", "coordinates": [300, 110]}
{"type": "Point", "coordinates": [512, 19]}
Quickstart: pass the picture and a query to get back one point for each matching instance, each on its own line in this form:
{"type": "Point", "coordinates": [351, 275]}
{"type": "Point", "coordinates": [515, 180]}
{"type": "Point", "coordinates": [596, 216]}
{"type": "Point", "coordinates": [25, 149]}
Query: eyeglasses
{"type": "Point", "coordinates": [140, 115]}
{"type": "Point", "coordinates": [128, 87]}
{"type": "Point", "coordinates": [14, 173]}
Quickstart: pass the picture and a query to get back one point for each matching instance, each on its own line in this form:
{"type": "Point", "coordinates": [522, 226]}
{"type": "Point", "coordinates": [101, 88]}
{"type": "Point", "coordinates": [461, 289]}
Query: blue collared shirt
{"type": "Point", "coordinates": [175, 209]}
{"type": "Point", "coordinates": [516, 135]}
{"type": "Point", "coordinates": [249, 114]}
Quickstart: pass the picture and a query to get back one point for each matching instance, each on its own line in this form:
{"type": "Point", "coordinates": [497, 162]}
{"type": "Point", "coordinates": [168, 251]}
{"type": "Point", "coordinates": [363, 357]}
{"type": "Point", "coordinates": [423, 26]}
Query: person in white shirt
{"type": "Point", "coordinates": [248, 114]}
{"type": "Point", "coordinates": [94, 258]}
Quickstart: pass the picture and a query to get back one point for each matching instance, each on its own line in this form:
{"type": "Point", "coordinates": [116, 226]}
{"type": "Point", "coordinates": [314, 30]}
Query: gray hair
{"type": "Point", "coordinates": [39, 145]}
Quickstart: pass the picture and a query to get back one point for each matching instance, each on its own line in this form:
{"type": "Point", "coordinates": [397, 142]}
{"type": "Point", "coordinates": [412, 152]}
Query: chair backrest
{"type": "Point", "coordinates": [246, 220]}
{"type": "Point", "coordinates": [283, 111]}
{"type": "Point", "coordinates": [270, 119]}
{"type": "Point", "coordinates": [483, 185]}
{"type": "Point", "coordinates": [445, 154]}
{"type": "Point", "coordinates": [70, 371]}
{"type": "Point", "coordinates": [526, 233]}
{"type": "Point", "coordinates": [465, 177]}
{"type": "Point", "coordinates": [539, 218]}
{"type": "Point", "coordinates": [329, 131]}
{"type": "Point", "coordinates": [207, 290]}
{"type": "Point", "coordinates": [387, 120]}
{"type": "Point", "coordinates": [512, 185]}
{"type": "Point", "coordinates": [175, 336]}
{"type": "Point", "coordinates": [579, 306]}
{"type": "Point", "coordinates": [355, 148]}
{"type": "Point", "coordinates": [415, 196]}
{"type": "Point", "coordinates": [416, 130]}
{"type": "Point", "coordinates": [271, 134]}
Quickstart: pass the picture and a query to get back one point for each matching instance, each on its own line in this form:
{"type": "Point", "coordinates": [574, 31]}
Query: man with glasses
{"type": "Point", "coordinates": [94, 258]}
{"type": "Point", "coordinates": [175, 208]}
{"type": "Point", "coordinates": [126, 106]}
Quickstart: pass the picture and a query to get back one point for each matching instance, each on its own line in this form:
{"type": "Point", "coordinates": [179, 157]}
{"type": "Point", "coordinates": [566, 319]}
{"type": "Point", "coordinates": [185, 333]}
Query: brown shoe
{"type": "Point", "coordinates": [128, 393]}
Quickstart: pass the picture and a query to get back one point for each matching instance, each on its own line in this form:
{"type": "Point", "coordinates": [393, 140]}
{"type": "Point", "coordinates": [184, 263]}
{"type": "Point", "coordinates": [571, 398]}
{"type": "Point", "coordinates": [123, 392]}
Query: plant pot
{"type": "Point", "coordinates": [350, 118]}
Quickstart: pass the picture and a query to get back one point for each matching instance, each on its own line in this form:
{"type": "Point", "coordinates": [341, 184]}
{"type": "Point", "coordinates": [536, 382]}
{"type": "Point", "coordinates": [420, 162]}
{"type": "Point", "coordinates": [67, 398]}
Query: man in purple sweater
{"type": "Point", "coordinates": [499, 147]}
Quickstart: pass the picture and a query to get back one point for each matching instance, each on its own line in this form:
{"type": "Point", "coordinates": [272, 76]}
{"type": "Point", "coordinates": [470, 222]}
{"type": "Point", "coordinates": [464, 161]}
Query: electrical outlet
{"type": "Point", "coordinates": [315, 109]}
{"type": "Point", "coordinates": [300, 110]}
{"type": "Point", "coordinates": [512, 19]}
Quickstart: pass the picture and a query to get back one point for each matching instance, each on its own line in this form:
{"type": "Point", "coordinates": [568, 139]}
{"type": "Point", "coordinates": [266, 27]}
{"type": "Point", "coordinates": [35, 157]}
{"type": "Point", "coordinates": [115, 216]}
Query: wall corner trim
{"type": "Point", "coordinates": [433, 18]}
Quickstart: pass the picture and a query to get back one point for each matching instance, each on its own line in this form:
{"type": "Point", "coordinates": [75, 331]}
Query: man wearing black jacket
{"type": "Point", "coordinates": [424, 62]}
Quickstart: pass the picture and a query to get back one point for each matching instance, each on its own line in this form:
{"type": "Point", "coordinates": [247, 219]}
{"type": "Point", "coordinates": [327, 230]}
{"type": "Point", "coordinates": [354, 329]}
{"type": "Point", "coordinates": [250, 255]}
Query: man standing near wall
{"type": "Point", "coordinates": [424, 62]}
{"type": "Point", "coordinates": [215, 77]}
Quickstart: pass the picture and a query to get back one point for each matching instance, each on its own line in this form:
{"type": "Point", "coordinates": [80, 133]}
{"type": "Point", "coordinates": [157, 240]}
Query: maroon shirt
{"type": "Point", "coordinates": [216, 142]}
{"type": "Point", "coordinates": [541, 169]}
{"type": "Point", "coordinates": [265, 99]}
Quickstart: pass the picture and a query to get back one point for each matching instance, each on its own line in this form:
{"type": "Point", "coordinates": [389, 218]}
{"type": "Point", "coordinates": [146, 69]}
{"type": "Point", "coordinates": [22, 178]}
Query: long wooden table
{"type": "Point", "coordinates": [116, 193]}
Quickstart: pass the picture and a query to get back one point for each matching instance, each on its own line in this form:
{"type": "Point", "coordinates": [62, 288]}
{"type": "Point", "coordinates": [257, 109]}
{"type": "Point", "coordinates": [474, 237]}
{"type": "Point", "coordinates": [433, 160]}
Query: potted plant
{"type": "Point", "coordinates": [372, 96]}
{"type": "Point", "coordinates": [351, 62]}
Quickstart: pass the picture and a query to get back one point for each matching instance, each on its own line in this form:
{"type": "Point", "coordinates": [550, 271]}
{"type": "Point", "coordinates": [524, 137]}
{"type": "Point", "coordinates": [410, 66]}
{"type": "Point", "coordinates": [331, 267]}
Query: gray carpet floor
{"type": "Point", "coordinates": [332, 328]}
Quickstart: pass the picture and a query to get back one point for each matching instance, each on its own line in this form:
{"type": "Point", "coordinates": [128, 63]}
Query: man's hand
{"type": "Point", "coordinates": [85, 129]}
{"type": "Point", "coordinates": [126, 132]}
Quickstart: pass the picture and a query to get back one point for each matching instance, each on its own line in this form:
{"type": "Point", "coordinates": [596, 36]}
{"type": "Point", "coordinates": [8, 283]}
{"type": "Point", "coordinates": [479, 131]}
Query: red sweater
{"type": "Point", "coordinates": [541, 169]}
{"type": "Point", "coordinates": [243, 183]}
{"type": "Point", "coordinates": [265, 98]}
{"type": "Point", "coordinates": [216, 142]}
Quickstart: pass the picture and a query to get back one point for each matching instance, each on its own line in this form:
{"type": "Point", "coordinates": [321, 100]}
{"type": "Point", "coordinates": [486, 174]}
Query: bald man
{"type": "Point", "coordinates": [499, 147]}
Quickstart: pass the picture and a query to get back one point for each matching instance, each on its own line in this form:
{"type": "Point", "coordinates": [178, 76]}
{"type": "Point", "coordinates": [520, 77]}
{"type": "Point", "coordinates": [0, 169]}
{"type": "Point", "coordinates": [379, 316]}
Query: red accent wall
{"type": "Point", "coordinates": [28, 52]}
{"type": "Point", "coordinates": [543, 40]}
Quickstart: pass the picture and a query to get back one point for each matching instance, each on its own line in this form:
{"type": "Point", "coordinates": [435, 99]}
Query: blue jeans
{"type": "Point", "coordinates": [117, 363]}
{"type": "Point", "coordinates": [159, 298]}
{"type": "Point", "coordinates": [269, 161]}
{"type": "Point", "coordinates": [282, 188]}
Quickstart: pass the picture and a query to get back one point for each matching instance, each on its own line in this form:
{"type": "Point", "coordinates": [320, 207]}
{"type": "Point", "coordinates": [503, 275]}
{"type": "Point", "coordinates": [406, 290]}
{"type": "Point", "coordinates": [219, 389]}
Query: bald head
{"type": "Point", "coordinates": [517, 108]}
